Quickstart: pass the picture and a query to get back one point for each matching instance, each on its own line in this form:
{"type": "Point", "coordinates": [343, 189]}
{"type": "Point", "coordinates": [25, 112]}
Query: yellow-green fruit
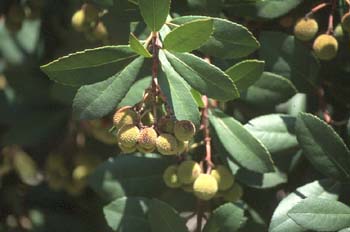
{"type": "Point", "coordinates": [26, 168]}
{"type": "Point", "coordinates": [147, 138]}
{"type": "Point", "coordinates": [128, 136]}
{"type": "Point", "coordinates": [188, 171]}
{"type": "Point", "coordinates": [127, 150]}
{"type": "Point", "coordinates": [325, 47]}
{"type": "Point", "coordinates": [345, 21]}
{"type": "Point", "coordinates": [339, 33]}
{"type": "Point", "coordinates": [124, 117]}
{"type": "Point", "coordinates": [166, 125]}
{"type": "Point", "coordinates": [170, 177]}
{"type": "Point", "coordinates": [181, 146]}
{"type": "Point", "coordinates": [205, 187]}
{"type": "Point", "coordinates": [100, 32]}
{"type": "Point", "coordinates": [145, 150]}
{"type": "Point", "coordinates": [79, 21]}
{"type": "Point", "coordinates": [100, 131]}
{"type": "Point", "coordinates": [223, 176]}
{"type": "Point", "coordinates": [184, 130]}
{"type": "Point", "coordinates": [233, 194]}
{"type": "Point", "coordinates": [306, 29]}
{"type": "Point", "coordinates": [91, 12]}
{"type": "Point", "coordinates": [166, 144]}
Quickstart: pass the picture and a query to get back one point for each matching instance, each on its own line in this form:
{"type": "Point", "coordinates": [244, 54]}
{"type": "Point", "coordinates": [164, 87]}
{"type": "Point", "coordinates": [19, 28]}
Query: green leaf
{"type": "Point", "coordinates": [162, 217]}
{"type": "Point", "coordinates": [136, 92]}
{"type": "Point", "coordinates": [89, 66]}
{"type": "Point", "coordinates": [261, 181]}
{"type": "Point", "coordinates": [227, 218]}
{"type": "Point", "coordinates": [270, 90]}
{"type": "Point", "coordinates": [321, 214]}
{"type": "Point", "coordinates": [229, 40]}
{"type": "Point", "coordinates": [323, 147]}
{"type": "Point", "coordinates": [178, 92]}
{"type": "Point", "coordinates": [115, 178]}
{"type": "Point", "coordinates": [198, 98]}
{"type": "Point", "coordinates": [202, 76]}
{"type": "Point", "coordinates": [290, 58]}
{"type": "Point", "coordinates": [128, 214]}
{"type": "Point", "coordinates": [246, 73]}
{"type": "Point", "coordinates": [244, 148]}
{"type": "Point", "coordinates": [262, 9]}
{"type": "Point", "coordinates": [104, 3]}
{"type": "Point", "coordinates": [280, 221]}
{"type": "Point", "coordinates": [154, 12]}
{"type": "Point", "coordinates": [97, 100]}
{"type": "Point", "coordinates": [136, 45]}
{"type": "Point", "coordinates": [275, 131]}
{"type": "Point", "coordinates": [189, 36]}
{"type": "Point", "coordinates": [345, 230]}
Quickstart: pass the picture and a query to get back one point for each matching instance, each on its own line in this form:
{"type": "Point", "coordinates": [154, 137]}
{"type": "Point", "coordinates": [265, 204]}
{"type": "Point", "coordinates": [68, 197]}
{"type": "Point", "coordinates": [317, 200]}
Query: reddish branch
{"type": "Point", "coordinates": [155, 89]}
{"type": "Point", "coordinates": [331, 17]}
{"type": "Point", "coordinates": [316, 8]}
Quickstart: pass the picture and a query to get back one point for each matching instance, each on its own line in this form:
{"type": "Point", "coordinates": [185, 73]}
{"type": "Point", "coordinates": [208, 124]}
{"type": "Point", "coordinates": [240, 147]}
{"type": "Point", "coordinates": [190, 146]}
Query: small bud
{"type": "Point", "coordinates": [223, 176]}
{"type": "Point", "coordinates": [306, 29]}
{"type": "Point", "coordinates": [188, 171]}
{"type": "Point", "coordinates": [184, 130]}
{"type": "Point", "coordinates": [205, 187]}
{"type": "Point", "coordinates": [166, 144]}
{"type": "Point", "coordinates": [325, 47]}
{"type": "Point", "coordinates": [170, 177]}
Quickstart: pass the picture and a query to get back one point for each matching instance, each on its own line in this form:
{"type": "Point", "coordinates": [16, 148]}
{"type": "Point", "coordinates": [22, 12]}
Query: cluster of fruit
{"type": "Point", "coordinates": [189, 176]}
{"type": "Point", "coordinates": [17, 13]}
{"type": "Point", "coordinates": [69, 174]}
{"type": "Point", "coordinates": [168, 136]}
{"type": "Point", "coordinates": [88, 20]}
{"type": "Point", "coordinates": [325, 45]}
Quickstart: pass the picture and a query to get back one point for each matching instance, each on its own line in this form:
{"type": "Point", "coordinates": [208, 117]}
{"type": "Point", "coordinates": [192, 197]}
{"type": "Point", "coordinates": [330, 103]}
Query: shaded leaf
{"type": "Point", "coordinates": [323, 146]}
{"type": "Point", "coordinates": [189, 36]}
{"type": "Point", "coordinates": [89, 66]}
{"type": "Point", "coordinates": [244, 148]}
{"type": "Point", "coordinates": [136, 92]}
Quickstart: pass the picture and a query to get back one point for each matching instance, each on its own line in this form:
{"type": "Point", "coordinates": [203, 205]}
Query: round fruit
{"type": "Point", "coordinates": [166, 144]}
{"type": "Point", "coordinates": [306, 29]}
{"type": "Point", "coordinates": [233, 194]}
{"type": "Point", "coordinates": [184, 130]}
{"type": "Point", "coordinates": [166, 125]}
{"type": "Point", "coordinates": [188, 171]}
{"type": "Point", "coordinates": [100, 32]}
{"type": "Point", "coordinates": [124, 117]}
{"type": "Point", "coordinates": [339, 32]}
{"type": "Point", "coordinates": [127, 150]}
{"type": "Point", "coordinates": [345, 21]}
{"type": "Point", "coordinates": [223, 176]}
{"type": "Point", "coordinates": [181, 146]}
{"type": "Point", "coordinates": [170, 177]}
{"type": "Point", "coordinates": [325, 47]}
{"type": "Point", "coordinates": [128, 136]}
{"type": "Point", "coordinates": [205, 187]}
{"type": "Point", "coordinates": [79, 22]}
{"type": "Point", "coordinates": [147, 138]}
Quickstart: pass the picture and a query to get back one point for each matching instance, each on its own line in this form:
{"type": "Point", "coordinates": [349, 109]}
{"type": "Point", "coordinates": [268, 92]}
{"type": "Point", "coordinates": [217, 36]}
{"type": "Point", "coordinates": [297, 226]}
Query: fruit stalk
{"type": "Point", "coordinates": [331, 17]}
{"type": "Point", "coordinates": [316, 8]}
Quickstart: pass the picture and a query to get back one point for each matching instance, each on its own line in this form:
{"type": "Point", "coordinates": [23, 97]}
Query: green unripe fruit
{"type": "Point", "coordinates": [147, 138]}
{"type": "Point", "coordinates": [188, 171]}
{"type": "Point", "coordinates": [128, 136]}
{"type": "Point", "coordinates": [184, 130]}
{"type": "Point", "coordinates": [339, 33]}
{"type": "Point", "coordinates": [100, 32]}
{"type": "Point", "coordinates": [79, 21]}
{"type": "Point", "coordinates": [205, 187]}
{"type": "Point", "coordinates": [233, 194]}
{"type": "Point", "coordinates": [181, 146]}
{"type": "Point", "coordinates": [345, 21]}
{"type": "Point", "coordinates": [325, 47]}
{"type": "Point", "coordinates": [124, 117]}
{"type": "Point", "coordinates": [166, 125]}
{"type": "Point", "coordinates": [166, 144]}
{"type": "Point", "coordinates": [223, 176]}
{"type": "Point", "coordinates": [127, 150]}
{"type": "Point", "coordinates": [306, 29]}
{"type": "Point", "coordinates": [170, 177]}
{"type": "Point", "coordinates": [26, 168]}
